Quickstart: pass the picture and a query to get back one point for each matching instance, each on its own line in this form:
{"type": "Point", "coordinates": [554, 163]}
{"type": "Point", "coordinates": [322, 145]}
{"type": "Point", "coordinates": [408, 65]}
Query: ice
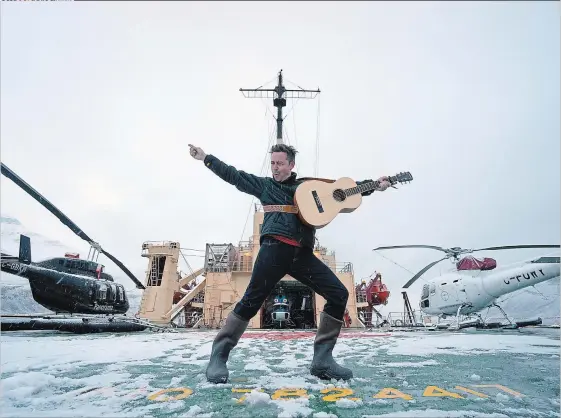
{"type": "Point", "coordinates": [435, 413]}
{"type": "Point", "coordinates": [464, 344]}
{"type": "Point", "coordinates": [293, 408]}
{"type": "Point", "coordinates": [113, 375]}
{"type": "Point", "coordinates": [348, 403]}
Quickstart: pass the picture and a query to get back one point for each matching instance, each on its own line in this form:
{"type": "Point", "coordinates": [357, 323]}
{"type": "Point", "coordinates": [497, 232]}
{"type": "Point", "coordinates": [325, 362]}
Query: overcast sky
{"type": "Point", "coordinates": [99, 102]}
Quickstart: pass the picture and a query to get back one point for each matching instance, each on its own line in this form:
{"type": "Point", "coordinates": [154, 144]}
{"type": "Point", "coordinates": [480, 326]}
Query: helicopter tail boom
{"type": "Point", "coordinates": [510, 280]}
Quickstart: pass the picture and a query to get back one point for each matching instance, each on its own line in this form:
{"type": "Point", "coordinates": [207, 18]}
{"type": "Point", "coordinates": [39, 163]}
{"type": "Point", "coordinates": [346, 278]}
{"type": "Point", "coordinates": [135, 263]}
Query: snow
{"type": "Point", "coordinates": [48, 374]}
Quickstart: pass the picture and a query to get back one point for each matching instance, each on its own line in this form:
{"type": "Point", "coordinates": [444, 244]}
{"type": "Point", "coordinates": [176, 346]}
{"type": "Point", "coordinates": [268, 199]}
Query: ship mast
{"type": "Point", "coordinates": [279, 95]}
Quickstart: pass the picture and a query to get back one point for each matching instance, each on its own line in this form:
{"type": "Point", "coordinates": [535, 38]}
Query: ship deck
{"type": "Point", "coordinates": [483, 373]}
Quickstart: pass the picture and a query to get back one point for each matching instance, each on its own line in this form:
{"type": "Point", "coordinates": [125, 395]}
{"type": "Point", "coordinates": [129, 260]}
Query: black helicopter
{"type": "Point", "coordinates": [67, 284]}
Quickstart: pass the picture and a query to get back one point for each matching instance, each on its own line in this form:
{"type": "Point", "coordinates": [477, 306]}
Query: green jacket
{"type": "Point", "coordinates": [269, 192]}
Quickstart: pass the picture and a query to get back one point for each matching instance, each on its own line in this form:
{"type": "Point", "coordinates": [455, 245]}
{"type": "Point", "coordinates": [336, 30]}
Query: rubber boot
{"type": "Point", "coordinates": [226, 339]}
{"type": "Point", "coordinates": [323, 364]}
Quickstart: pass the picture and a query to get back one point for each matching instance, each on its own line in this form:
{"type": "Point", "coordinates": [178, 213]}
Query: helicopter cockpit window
{"type": "Point", "coordinates": [425, 292]}
{"type": "Point", "coordinates": [113, 294]}
{"type": "Point", "coordinates": [101, 291]}
{"type": "Point", "coordinates": [547, 260]}
{"type": "Point", "coordinates": [120, 294]}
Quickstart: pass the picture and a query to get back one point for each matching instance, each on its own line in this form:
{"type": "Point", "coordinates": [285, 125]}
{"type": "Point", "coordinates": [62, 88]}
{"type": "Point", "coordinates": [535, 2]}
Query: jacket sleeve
{"type": "Point", "coordinates": [244, 182]}
{"type": "Point", "coordinates": [368, 193]}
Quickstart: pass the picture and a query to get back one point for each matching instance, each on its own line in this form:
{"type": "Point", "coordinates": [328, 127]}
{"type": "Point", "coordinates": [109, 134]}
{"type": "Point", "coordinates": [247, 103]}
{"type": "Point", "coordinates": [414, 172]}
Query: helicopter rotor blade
{"type": "Point", "coordinates": [46, 204]}
{"type": "Point", "coordinates": [420, 273]}
{"type": "Point", "coordinates": [512, 247]}
{"type": "Point", "coordinates": [410, 246]}
{"type": "Point", "coordinates": [138, 284]}
{"type": "Point", "coordinates": [63, 218]}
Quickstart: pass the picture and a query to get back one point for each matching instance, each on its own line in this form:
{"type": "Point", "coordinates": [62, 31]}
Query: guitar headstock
{"type": "Point", "coordinates": [402, 178]}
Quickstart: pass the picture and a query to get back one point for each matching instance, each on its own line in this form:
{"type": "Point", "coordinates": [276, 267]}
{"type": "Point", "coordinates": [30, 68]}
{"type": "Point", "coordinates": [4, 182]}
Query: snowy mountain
{"type": "Point", "coordinates": [16, 295]}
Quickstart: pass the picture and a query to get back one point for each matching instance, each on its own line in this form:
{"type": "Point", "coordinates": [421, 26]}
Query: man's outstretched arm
{"type": "Point", "coordinates": [244, 182]}
{"type": "Point", "coordinates": [384, 184]}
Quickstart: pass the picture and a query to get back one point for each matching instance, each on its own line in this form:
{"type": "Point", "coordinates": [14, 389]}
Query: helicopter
{"type": "Point", "coordinates": [290, 305]}
{"type": "Point", "coordinates": [67, 284]}
{"type": "Point", "coordinates": [475, 285]}
{"type": "Point", "coordinates": [281, 310]}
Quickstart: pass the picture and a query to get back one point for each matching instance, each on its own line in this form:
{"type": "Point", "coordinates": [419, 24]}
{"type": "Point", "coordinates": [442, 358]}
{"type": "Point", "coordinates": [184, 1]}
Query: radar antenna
{"type": "Point", "coordinates": [279, 95]}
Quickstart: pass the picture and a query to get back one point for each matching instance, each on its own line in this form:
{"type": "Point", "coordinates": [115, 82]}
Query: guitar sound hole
{"type": "Point", "coordinates": [339, 195]}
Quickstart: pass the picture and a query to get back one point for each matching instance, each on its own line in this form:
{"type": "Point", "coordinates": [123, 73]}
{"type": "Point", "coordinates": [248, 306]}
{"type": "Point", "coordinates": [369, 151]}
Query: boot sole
{"type": "Point", "coordinates": [217, 381]}
{"type": "Point", "coordinates": [325, 375]}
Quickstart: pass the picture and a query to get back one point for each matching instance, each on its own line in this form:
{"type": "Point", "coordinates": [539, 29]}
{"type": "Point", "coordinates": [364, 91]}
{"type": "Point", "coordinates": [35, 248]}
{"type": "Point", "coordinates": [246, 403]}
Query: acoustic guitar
{"type": "Point", "coordinates": [320, 201]}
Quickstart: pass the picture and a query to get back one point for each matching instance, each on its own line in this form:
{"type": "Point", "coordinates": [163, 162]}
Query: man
{"type": "Point", "coordinates": [286, 248]}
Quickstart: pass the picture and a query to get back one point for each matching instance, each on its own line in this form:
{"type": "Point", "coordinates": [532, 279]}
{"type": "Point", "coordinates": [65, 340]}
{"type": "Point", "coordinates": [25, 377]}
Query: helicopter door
{"type": "Point", "coordinates": [460, 290]}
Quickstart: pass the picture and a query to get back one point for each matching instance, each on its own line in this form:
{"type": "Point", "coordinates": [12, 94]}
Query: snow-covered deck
{"type": "Point", "coordinates": [423, 374]}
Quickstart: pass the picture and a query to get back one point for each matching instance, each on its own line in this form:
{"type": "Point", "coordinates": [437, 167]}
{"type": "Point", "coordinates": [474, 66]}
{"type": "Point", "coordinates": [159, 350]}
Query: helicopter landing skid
{"type": "Point", "coordinates": [456, 326]}
{"type": "Point", "coordinates": [78, 324]}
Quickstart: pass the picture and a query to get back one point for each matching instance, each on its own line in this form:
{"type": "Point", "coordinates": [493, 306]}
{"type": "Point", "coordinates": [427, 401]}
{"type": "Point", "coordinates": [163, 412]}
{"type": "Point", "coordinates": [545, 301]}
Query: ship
{"type": "Point", "coordinates": [203, 298]}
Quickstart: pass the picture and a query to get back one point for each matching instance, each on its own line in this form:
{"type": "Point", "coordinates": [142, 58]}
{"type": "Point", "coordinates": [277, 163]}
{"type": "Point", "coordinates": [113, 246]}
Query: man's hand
{"type": "Point", "coordinates": [384, 183]}
{"type": "Point", "coordinates": [197, 153]}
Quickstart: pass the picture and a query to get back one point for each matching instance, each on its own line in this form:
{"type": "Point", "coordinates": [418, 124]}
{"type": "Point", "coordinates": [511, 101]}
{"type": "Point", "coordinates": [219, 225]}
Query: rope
{"type": "Point", "coordinates": [399, 265]}
{"type": "Point", "coordinates": [294, 126]}
{"type": "Point", "coordinates": [316, 164]}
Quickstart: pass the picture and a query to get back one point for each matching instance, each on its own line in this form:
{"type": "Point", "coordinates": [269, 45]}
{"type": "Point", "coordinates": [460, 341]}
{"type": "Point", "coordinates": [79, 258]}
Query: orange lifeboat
{"type": "Point", "coordinates": [376, 292]}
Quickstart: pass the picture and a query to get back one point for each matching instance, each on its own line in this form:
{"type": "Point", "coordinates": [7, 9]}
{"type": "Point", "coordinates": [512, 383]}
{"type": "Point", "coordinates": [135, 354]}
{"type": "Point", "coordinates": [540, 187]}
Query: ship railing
{"type": "Point", "coordinates": [367, 319]}
{"type": "Point", "coordinates": [342, 267]}
{"type": "Point", "coordinates": [171, 244]}
{"type": "Point", "coordinates": [361, 296]}
{"type": "Point", "coordinates": [402, 319]}
{"type": "Point", "coordinates": [200, 298]}
{"type": "Point", "coordinates": [245, 246]}
{"type": "Point", "coordinates": [243, 266]}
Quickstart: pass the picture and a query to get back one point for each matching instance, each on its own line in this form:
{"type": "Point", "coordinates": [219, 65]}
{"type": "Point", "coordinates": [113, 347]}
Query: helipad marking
{"type": "Point", "coordinates": [244, 390]}
{"type": "Point", "coordinates": [331, 394]}
{"type": "Point", "coordinates": [185, 393]}
{"type": "Point", "coordinates": [289, 393]}
{"type": "Point", "coordinates": [342, 393]}
{"type": "Point", "coordinates": [472, 392]}
{"type": "Point", "coordinates": [439, 392]}
{"type": "Point", "coordinates": [392, 393]}
{"type": "Point", "coordinates": [501, 387]}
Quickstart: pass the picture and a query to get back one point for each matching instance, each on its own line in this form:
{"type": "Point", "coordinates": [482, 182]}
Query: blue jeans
{"type": "Point", "coordinates": [276, 259]}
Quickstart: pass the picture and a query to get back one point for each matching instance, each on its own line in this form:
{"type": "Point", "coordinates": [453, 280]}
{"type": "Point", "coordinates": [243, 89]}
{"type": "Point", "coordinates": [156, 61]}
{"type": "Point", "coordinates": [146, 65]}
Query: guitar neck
{"type": "Point", "coordinates": [366, 187]}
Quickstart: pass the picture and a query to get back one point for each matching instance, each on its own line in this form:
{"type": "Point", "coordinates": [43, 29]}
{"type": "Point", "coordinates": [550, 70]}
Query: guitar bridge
{"type": "Point", "coordinates": [318, 203]}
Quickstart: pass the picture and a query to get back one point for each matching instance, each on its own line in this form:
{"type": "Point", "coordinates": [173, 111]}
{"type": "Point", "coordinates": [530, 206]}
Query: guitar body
{"type": "Point", "coordinates": [319, 202]}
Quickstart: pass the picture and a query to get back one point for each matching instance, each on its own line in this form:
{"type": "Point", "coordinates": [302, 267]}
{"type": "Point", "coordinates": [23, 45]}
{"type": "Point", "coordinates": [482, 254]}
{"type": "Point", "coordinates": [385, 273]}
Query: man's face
{"type": "Point", "coordinates": [280, 167]}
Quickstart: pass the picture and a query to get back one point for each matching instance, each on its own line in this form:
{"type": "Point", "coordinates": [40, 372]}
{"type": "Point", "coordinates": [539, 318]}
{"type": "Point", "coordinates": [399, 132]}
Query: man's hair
{"type": "Point", "coordinates": [288, 149]}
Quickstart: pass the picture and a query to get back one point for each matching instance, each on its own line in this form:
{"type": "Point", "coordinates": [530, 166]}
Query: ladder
{"type": "Point", "coordinates": [154, 272]}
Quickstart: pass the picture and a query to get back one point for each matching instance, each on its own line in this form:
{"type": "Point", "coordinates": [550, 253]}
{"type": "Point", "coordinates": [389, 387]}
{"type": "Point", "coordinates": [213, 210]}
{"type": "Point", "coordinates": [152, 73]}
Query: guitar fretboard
{"type": "Point", "coordinates": [365, 187]}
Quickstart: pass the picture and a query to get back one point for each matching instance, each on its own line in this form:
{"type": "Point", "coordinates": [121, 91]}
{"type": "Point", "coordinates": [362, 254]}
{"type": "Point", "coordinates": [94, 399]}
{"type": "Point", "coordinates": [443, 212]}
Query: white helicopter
{"type": "Point", "coordinates": [473, 287]}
